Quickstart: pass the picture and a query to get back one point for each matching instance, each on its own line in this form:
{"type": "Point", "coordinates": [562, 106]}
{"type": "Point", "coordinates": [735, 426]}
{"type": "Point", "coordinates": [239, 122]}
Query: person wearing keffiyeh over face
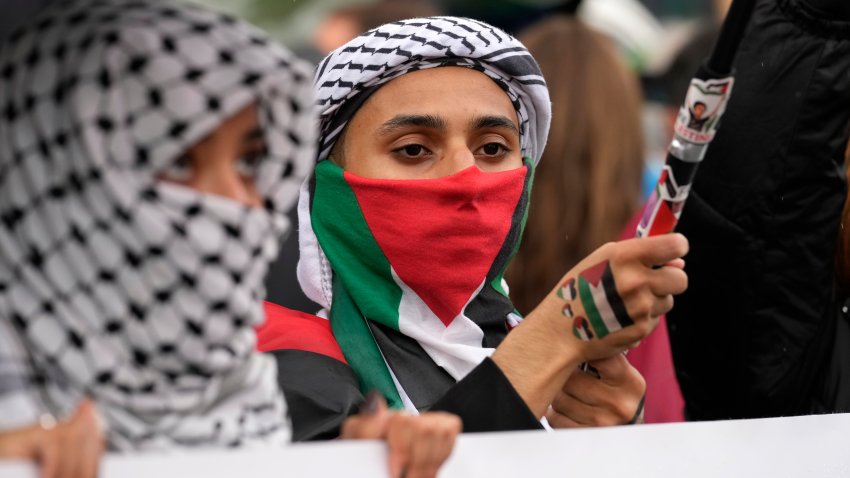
{"type": "Point", "coordinates": [430, 131]}
{"type": "Point", "coordinates": [148, 153]}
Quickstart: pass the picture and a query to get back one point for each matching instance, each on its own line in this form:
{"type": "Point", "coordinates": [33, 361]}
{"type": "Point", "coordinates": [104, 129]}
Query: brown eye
{"type": "Point", "coordinates": [413, 150]}
{"type": "Point", "coordinates": [248, 164]}
{"type": "Point", "coordinates": [180, 170]}
{"type": "Point", "coordinates": [494, 149]}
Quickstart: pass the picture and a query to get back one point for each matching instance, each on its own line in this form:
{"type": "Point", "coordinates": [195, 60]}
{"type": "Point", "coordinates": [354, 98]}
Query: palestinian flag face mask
{"type": "Point", "coordinates": [418, 296]}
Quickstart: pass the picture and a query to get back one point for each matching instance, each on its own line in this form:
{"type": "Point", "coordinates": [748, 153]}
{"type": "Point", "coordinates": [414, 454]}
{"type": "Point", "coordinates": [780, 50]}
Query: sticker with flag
{"type": "Point", "coordinates": [602, 303]}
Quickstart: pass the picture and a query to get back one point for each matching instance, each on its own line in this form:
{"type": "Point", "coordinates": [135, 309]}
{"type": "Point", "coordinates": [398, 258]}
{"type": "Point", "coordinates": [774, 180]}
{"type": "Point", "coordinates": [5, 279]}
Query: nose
{"type": "Point", "coordinates": [456, 159]}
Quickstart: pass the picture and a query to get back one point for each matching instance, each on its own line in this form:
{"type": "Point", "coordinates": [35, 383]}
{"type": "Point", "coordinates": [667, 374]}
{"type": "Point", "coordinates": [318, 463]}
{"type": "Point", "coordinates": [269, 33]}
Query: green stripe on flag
{"type": "Point", "coordinates": [364, 268]}
{"type": "Point", "coordinates": [590, 308]}
{"type": "Point", "coordinates": [367, 288]}
{"type": "Point", "coordinates": [359, 347]}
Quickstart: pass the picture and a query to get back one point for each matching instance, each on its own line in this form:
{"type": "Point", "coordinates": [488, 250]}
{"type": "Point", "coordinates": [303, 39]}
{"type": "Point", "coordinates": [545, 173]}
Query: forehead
{"type": "Point", "coordinates": [449, 92]}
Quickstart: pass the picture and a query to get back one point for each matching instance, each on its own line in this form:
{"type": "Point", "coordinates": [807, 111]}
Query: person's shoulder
{"type": "Point", "coordinates": [287, 329]}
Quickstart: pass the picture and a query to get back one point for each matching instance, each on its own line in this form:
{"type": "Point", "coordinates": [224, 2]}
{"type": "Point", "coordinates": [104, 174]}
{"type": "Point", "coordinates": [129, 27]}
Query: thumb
{"type": "Point", "coordinates": [87, 418]}
{"type": "Point", "coordinates": [370, 422]}
{"type": "Point", "coordinates": [611, 369]}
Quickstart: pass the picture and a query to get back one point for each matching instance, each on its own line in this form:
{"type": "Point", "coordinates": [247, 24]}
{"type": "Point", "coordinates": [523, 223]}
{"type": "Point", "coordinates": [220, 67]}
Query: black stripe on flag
{"type": "Point", "coordinates": [614, 300]}
{"type": "Point", "coordinates": [423, 380]}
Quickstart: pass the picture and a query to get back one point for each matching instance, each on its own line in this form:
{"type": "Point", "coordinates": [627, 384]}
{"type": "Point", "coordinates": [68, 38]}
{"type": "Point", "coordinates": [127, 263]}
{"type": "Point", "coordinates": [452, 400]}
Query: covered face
{"type": "Point", "coordinates": [440, 122]}
{"type": "Point", "coordinates": [115, 284]}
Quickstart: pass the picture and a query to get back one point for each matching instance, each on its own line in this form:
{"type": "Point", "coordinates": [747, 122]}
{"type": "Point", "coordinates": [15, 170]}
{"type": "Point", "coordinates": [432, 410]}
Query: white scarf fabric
{"type": "Point", "coordinates": [139, 294]}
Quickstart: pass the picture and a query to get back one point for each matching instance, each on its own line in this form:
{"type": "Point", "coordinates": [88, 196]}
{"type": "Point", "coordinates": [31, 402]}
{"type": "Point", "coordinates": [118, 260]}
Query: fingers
{"type": "Point", "coordinates": [49, 456]}
{"type": "Point", "coordinates": [70, 448]}
{"type": "Point", "coordinates": [439, 430]}
{"type": "Point", "coordinates": [557, 420]}
{"type": "Point", "coordinates": [21, 443]}
{"type": "Point", "coordinates": [656, 250]}
{"type": "Point", "coordinates": [370, 423]}
{"type": "Point", "coordinates": [667, 280]}
{"type": "Point", "coordinates": [583, 413]}
{"type": "Point", "coordinates": [419, 445]}
{"type": "Point", "coordinates": [610, 369]}
{"type": "Point", "coordinates": [609, 400]}
{"type": "Point", "coordinates": [399, 440]}
{"type": "Point", "coordinates": [91, 436]}
{"type": "Point", "coordinates": [661, 305]}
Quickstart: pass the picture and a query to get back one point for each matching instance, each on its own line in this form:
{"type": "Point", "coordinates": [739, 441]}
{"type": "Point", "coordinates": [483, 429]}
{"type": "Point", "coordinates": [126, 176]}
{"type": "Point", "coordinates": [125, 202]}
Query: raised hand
{"type": "Point", "coordinates": [613, 298]}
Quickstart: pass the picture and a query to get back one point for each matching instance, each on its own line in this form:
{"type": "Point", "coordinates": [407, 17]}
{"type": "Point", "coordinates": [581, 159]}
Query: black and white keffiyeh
{"type": "Point", "coordinates": [140, 294]}
{"type": "Point", "coordinates": [346, 77]}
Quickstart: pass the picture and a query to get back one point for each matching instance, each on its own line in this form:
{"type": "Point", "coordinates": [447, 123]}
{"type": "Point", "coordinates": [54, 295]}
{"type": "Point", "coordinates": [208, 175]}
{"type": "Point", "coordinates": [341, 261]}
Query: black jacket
{"type": "Point", "coordinates": [321, 390]}
{"type": "Point", "coordinates": [755, 333]}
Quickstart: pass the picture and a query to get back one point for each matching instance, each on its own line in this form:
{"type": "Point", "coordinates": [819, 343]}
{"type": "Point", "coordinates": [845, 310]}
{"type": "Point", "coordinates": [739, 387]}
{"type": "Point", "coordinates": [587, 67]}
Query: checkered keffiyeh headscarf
{"type": "Point", "coordinates": [344, 81]}
{"type": "Point", "coordinates": [139, 294]}
{"type": "Point", "coordinates": [347, 76]}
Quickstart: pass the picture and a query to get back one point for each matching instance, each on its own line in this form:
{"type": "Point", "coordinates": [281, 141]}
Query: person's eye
{"type": "Point", "coordinates": [180, 170]}
{"type": "Point", "coordinates": [493, 150]}
{"type": "Point", "coordinates": [412, 151]}
{"type": "Point", "coordinates": [248, 164]}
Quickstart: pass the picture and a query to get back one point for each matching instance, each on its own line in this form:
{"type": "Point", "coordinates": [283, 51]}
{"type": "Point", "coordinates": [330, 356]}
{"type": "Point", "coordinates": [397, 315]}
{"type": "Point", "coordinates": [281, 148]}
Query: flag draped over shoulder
{"type": "Point", "coordinates": [410, 272]}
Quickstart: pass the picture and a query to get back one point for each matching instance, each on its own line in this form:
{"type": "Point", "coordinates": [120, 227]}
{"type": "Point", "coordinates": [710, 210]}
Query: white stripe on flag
{"type": "Point", "coordinates": [457, 348]}
{"type": "Point", "coordinates": [605, 311]}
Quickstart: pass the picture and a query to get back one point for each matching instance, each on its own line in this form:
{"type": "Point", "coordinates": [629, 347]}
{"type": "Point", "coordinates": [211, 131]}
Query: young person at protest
{"type": "Point", "coordinates": [430, 132]}
{"type": "Point", "coordinates": [148, 153]}
{"type": "Point", "coordinates": [763, 217]}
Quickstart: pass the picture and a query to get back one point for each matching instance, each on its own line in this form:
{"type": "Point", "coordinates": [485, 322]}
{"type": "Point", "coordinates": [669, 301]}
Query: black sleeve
{"type": "Point", "coordinates": [751, 332]}
{"type": "Point", "coordinates": [487, 402]}
{"type": "Point", "coordinates": [321, 392]}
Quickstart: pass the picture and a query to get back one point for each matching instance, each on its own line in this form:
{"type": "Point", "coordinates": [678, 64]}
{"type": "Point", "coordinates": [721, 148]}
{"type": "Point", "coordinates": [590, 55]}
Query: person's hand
{"type": "Point", "coordinates": [418, 445]}
{"type": "Point", "coordinates": [611, 398]}
{"type": "Point", "coordinates": [70, 449]}
{"type": "Point", "coordinates": [612, 299]}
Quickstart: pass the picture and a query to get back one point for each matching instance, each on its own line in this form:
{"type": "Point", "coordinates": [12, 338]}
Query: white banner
{"type": "Point", "coordinates": [816, 446]}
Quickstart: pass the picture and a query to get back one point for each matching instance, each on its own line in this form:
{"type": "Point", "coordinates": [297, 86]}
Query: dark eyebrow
{"type": "Point", "coordinates": [492, 121]}
{"type": "Point", "coordinates": [401, 121]}
{"type": "Point", "coordinates": [253, 135]}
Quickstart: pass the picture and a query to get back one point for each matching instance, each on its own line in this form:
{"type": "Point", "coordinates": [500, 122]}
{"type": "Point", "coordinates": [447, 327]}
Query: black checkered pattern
{"type": "Point", "coordinates": [351, 72]}
{"type": "Point", "coordinates": [141, 294]}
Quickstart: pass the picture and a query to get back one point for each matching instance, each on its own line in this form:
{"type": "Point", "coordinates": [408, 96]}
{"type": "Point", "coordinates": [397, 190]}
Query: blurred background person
{"type": "Point", "coordinates": [589, 185]}
{"type": "Point", "coordinates": [343, 24]}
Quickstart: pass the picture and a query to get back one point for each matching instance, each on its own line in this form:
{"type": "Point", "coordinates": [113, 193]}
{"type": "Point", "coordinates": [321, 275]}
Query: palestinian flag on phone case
{"type": "Point", "coordinates": [413, 312]}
